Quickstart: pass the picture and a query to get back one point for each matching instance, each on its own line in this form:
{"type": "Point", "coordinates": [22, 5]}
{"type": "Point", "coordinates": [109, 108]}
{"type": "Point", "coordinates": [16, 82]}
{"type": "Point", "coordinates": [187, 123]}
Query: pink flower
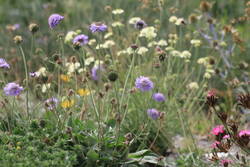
{"type": "Point", "coordinates": [244, 133]}
{"type": "Point", "coordinates": [226, 162]}
{"type": "Point", "coordinates": [215, 144]}
{"type": "Point", "coordinates": [218, 130]}
{"type": "Point", "coordinates": [226, 137]}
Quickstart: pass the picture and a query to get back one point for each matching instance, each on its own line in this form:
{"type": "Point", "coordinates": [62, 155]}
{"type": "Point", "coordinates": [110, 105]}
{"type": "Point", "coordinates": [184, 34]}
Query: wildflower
{"type": "Point", "coordinates": [217, 130]}
{"type": "Point", "coordinates": [173, 19]}
{"type": "Point", "coordinates": [18, 39]}
{"type": "Point", "coordinates": [70, 36]}
{"type": "Point", "coordinates": [159, 97]}
{"type": "Point", "coordinates": [33, 28]}
{"type": "Point", "coordinates": [89, 60]}
{"type": "Point", "coordinates": [142, 50]}
{"type": "Point", "coordinates": [117, 11]}
{"type": "Point", "coordinates": [205, 6]}
{"type": "Point", "coordinates": [162, 43]}
{"type": "Point", "coordinates": [33, 74]}
{"type": "Point", "coordinates": [67, 103]}
{"type": "Point", "coordinates": [51, 103]}
{"type": "Point", "coordinates": [112, 76]}
{"type": "Point", "coordinates": [83, 92]}
{"type": "Point", "coordinates": [140, 24]}
{"type": "Point", "coordinates": [98, 27]}
{"type": "Point", "coordinates": [133, 20]}
{"type": "Point", "coordinates": [4, 64]}
{"type": "Point", "coordinates": [72, 66]}
{"type": "Point", "coordinates": [45, 87]}
{"type": "Point", "coordinates": [12, 89]}
{"type": "Point", "coordinates": [195, 42]}
{"type": "Point", "coordinates": [148, 32]}
{"type": "Point", "coordinates": [185, 54]}
{"type": "Point", "coordinates": [211, 98]}
{"type": "Point", "coordinates": [107, 44]}
{"type": "Point", "coordinates": [225, 162]}
{"type": "Point", "coordinates": [244, 133]}
{"type": "Point", "coordinates": [144, 83]}
{"type": "Point", "coordinates": [193, 86]}
{"type": "Point", "coordinates": [81, 39]}
{"type": "Point", "coordinates": [92, 42]}
{"type": "Point", "coordinates": [95, 72]}
{"type": "Point", "coordinates": [215, 144]}
{"type": "Point", "coordinates": [153, 113]}
{"type": "Point", "coordinates": [117, 24]}
{"type": "Point", "coordinates": [54, 20]}
{"type": "Point", "coordinates": [65, 78]}
{"type": "Point", "coordinates": [42, 71]}
{"type": "Point", "coordinates": [108, 35]}
{"type": "Point", "coordinates": [226, 137]}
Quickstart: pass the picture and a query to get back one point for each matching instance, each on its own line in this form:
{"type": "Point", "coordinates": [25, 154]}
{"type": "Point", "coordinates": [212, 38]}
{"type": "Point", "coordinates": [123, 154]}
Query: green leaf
{"type": "Point", "coordinates": [92, 155]}
{"type": "Point", "coordinates": [138, 154]}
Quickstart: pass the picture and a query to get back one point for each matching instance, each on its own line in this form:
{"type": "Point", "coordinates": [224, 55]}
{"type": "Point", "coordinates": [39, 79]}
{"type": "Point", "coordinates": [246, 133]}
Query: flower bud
{"type": "Point", "coordinates": [33, 28]}
{"type": "Point", "coordinates": [18, 39]}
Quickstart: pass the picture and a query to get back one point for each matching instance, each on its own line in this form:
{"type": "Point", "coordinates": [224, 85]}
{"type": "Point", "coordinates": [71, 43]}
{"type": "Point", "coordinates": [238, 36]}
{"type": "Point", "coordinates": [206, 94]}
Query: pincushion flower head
{"type": "Point", "coordinates": [51, 103]}
{"type": "Point", "coordinates": [4, 64]}
{"type": "Point", "coordinates": [54, 20]}
{"type": "Point", "coordinates": [153, 113]}
{"type": "Point", "coordinates": [144, 84]}
{"type": "Point", "coordinates": [140, 24]}
{"type": "Point", "coordinates": [12, 89]}
{"type": "Point", "coordinates": [98, 27]}
{"type": "Point", "coordinates": [81, 39]}
{"type": "Point", "coordinates": [159, 97]}
{"type": "Point", "coordinates": [95, 72]}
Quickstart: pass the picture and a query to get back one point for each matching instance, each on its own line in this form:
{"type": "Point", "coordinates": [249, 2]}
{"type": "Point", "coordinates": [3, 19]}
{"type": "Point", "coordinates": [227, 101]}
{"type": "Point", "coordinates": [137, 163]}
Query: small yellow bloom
{"type": "Point", "coordinates": [65, 78]}
{"type": "Point", "coordinates": [67, 103]}
{"type": "Point", "coordinates": [18, 148]}
{"type": "Point", "coordinates": [83, 92]}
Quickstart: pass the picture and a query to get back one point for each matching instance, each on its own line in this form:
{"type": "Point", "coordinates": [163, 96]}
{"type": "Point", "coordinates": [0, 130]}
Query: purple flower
{"type": "Point", "coordinates": [95, 72]}
{"type": "Point", "coordinates": [158, 97]}
{"type": "Point", "coordinates": [144, 84]}
{"type": "Point", "coordinates": [98, 27]}
{"type": "Point", "coordinates": [153, 113]}
{"type": "Point", "coordinates": [54, 20]}
{"type": "Point", "coordinates": [51, 103]}
{"type": "Point", "coordinates": [140, 24]}
{"type": "Point", "coordinates": [4, 64]}
{"type": "Point", "coordinates": [12, 89]}
{"type": "Point", "coordinates": [16, 26]}
{"type": "Point", "coordinates": [81, 39]}
{"type": "Point", "coordinates": [33, 74]}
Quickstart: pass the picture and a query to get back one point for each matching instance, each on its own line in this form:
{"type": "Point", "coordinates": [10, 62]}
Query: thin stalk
{"type": "Point", "coordinates": [27, 81]}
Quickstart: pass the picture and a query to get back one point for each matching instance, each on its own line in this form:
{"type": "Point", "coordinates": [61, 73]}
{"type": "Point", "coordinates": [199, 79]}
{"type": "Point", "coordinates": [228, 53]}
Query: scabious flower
{"type": "Point", "coordinates": [158, 97]}
{"type": "Point", "coordinates": [144, 84]}
{"type": "Point", "coordinates": [140, 24]}
{"type": "Point", "coordinates": [219, 129]}
{"type": "Point", "coordinates": [81, 39]}
{"type": "Point", "coordinates": [95, 72]}
{"type": "Point", "coordinates": [98, 27]}
{"type": "Point", "coordinates": [148, 32]}
{"type": "Point", "coordinates": [51, 103]}
{"type": "Point", "coordinates": [153, 113]}
{"type": "Point", "coordinates": [54, 20]}
{"type": "Point", "coordinates": [12, 89]}
{"type": "Point", "coordinates": [4, 64]}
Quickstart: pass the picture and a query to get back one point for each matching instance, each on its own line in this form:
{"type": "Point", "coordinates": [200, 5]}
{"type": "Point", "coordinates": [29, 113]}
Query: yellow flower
{"type": "Point", "coordinates": [67, 103]}
{"type": "Point", "coordinates": [83, 92]}
{"type": "Point", "coordinates": [65, 78]}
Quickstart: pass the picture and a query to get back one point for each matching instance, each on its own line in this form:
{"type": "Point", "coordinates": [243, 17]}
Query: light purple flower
{"type": "Point", "coordinates": [140, 24]}
{"type": "Point", "coordinates": [144, 84]}
{"type": "Point", "coordinates": [12, 89]}
{"type": "Point", "coordinates": [16, 26]}
{"type": "Point", "coordinates": [95, 72]}
{"type": "Point", "coordinates": [153, 113]}
{"type": "Point", "coordinates": [158, 97]}
{"type": "Point", "coordinates": [98, 27]}
{"type": "Point", "coordinates": [51, 103]}
{"type": "Point", "coordinates": [54, 20]}
{"type": "Point", "coordinates": [4, 64]}
{"type": "Point", "coordinates": [81, 39]}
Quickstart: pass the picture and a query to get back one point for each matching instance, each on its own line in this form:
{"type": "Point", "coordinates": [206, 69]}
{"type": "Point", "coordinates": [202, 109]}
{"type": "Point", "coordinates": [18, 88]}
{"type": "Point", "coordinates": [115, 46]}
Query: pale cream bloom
{"type": "Point", "coordinates": [118, 11]}
{"type": "Point", "coordinates": [148, 32]}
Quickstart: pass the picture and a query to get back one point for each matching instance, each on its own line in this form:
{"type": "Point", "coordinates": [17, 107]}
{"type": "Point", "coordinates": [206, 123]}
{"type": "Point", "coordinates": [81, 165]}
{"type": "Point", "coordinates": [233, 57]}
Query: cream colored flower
{"type": "Point", "coordinates": [179, 21]}
{"type": "Point", "coordinates": [45, 87]}
{"type": "Point", "coordinates": [142, 50]}
{"type": "Point", "coordinates": [196, 42]}
{"type": "Point", "coordinates": [162, 42]}
{"type": "Point", "coordinates": [92, 42]}
{"type": "Point", "coordinates": [117, 24]}
{"type": "Point", "coordinates": [148, 32]}
{"type": "Point", "coordinates": [133, 20]}
{"type": "Point", "coordinates": [108, 35]}
{"type": "Point", "coordinates": [89, 60]}
{"type": "Point", "coordinates": [193, 86]}
{"type": "Point", "coordinates": [69, 37]}
{"type": "Point", "coordinates": [42, 71]}
{"type": "Point", "coordinates": [118, 11]}
{"type": "Point", "coordinates": [173, 19]}
{"type": "Point", "coordinates": [185, 54]}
